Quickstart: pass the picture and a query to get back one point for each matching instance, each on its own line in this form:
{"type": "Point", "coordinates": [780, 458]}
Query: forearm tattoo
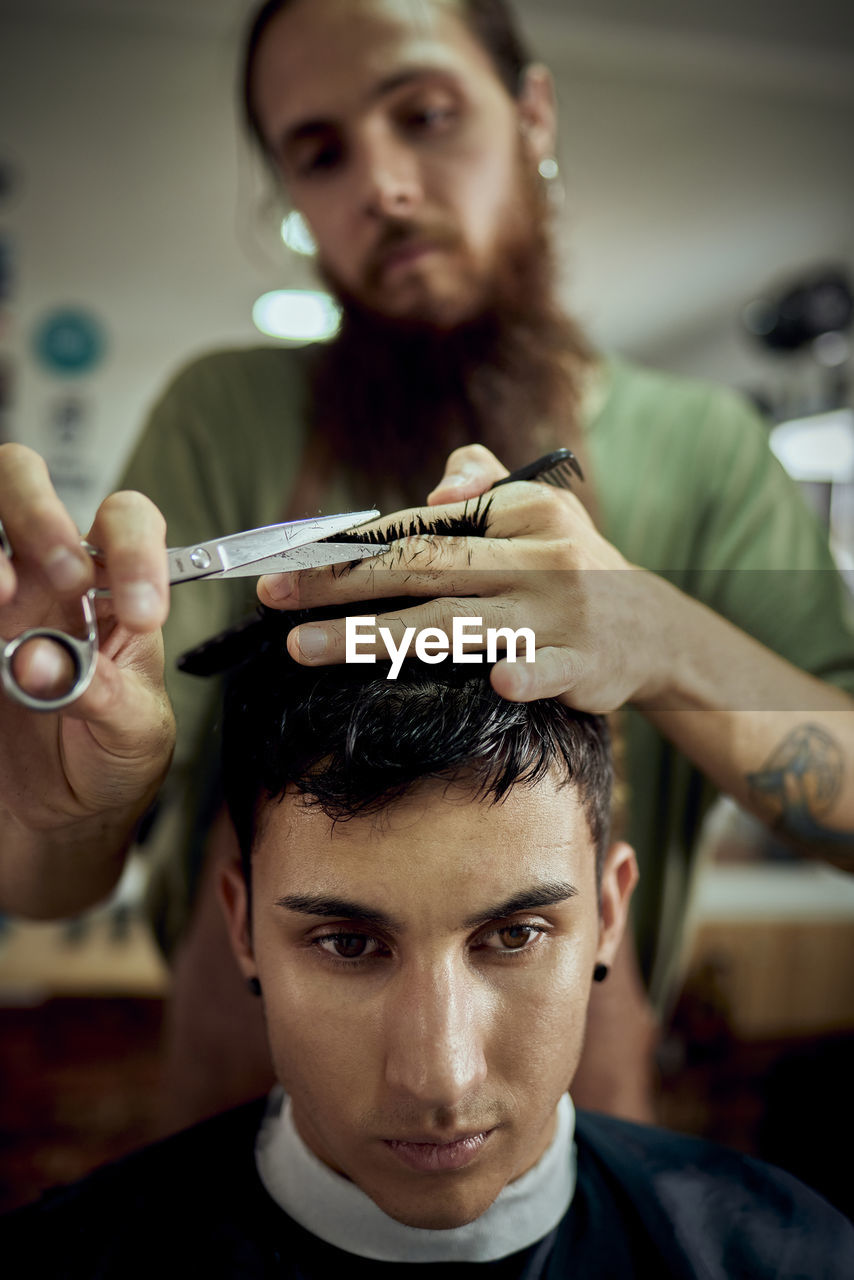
{"type": "Point", "coordinates": [802, 779]}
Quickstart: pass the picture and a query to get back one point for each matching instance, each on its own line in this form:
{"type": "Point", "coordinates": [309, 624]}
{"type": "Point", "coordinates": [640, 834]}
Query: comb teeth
{"type": "Point", "coordinates": [473, 522]}
{"type": "Point", "coordinates": [560, 475]}
{"type": "Point", "coordinates": [555, 468]}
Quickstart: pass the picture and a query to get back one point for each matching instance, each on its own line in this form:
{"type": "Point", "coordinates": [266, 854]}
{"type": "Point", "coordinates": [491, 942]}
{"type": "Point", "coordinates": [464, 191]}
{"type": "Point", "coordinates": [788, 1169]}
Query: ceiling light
{"type": "Point", "coordinates": [297, 315]}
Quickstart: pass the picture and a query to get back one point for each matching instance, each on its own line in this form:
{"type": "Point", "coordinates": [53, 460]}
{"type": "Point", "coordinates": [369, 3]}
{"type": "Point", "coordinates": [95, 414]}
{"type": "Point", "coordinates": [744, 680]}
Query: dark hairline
{"type": "Point", "coordinates": [266, 803]}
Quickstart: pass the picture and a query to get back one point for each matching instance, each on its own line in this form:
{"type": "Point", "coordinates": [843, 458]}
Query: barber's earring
{"type": "Point", "coordinates": [254, 986]}
{"type": "Point", "coordinates": [549, 171]}
{"type": "Point", "coordinates": [296, 234]}
{"type": "Point", "coordinates": [600, 973]}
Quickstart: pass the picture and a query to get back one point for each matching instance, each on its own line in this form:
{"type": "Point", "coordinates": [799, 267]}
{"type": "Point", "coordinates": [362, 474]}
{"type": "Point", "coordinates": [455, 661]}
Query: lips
{"type": "Point", "coordinates": [404, 254]}
{"type": "Point", "coordinates": [398, 248]}
{"type": "Point", "coordinates": [437, 1157]}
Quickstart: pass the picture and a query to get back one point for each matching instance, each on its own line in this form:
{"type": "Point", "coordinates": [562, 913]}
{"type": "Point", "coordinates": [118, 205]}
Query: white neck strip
{"type": "Point", "coordinates": [337, 1211]}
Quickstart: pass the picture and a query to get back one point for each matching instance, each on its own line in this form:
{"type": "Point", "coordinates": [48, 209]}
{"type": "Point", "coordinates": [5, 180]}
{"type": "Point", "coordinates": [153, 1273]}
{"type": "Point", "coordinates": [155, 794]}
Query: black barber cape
{"type": "Point", "coordinates": [648, 1205]}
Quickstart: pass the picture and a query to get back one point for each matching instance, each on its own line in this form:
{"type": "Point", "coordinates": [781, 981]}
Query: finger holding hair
{"type": "Point", "coordinates": [525, 526]}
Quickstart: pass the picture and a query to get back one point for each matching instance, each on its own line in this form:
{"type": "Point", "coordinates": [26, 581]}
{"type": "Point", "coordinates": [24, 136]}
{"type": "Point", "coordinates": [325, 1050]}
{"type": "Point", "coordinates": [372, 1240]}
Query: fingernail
{"type": "Point", "coordinates": [447, 484]}
{"type": "Point", "coordinates": [137, 603]}
{"type": "Point", "coordinates": [48, 669]}
{"type": "Point", "coordinates": [279, 586]}
{"type": "Point", "coordinates": [312, 642]}
{"type": "Point", "coordinates": [522, 684]}
{"type": "Point", "coordinates": [67, 572]}
{"type": "Point", "coordinates": [456, 481]}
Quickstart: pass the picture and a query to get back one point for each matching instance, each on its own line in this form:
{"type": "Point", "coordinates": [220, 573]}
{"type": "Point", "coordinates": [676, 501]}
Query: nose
{"type": "Point", "coordinates": [391, 176]}
{"type": "Point", "coordinates": [436, 1035]}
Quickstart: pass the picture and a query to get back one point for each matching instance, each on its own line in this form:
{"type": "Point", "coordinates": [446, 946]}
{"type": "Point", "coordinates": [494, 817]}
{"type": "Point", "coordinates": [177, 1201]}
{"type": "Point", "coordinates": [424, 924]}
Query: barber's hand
{"type": "Point", "coordinates": [600, 624]}
{"type": "Point", "coordinates": [109, 749]}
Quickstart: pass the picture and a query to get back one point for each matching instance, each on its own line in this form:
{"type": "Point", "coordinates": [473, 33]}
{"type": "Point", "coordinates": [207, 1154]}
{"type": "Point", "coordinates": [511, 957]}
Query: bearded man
{"type": "Point", "coordinates": [412, 135]}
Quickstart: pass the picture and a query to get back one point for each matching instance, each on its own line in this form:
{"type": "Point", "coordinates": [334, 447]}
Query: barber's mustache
{"type": "Point", "coordinates": [400, 234]}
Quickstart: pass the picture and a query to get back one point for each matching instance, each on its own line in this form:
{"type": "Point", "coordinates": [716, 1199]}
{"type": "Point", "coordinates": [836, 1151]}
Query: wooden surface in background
{"type": "Point", "coordinates": [780, 978]}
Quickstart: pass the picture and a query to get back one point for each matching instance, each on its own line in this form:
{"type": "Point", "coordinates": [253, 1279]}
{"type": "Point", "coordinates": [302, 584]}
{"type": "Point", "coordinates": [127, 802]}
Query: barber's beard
{"type": "Point", "coordinates": [393, 397]}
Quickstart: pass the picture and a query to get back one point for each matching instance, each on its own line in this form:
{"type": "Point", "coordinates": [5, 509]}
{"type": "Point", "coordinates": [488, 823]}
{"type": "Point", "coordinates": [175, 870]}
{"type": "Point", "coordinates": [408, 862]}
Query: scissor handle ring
{"type": "Point", "coordinates": [83, 654]}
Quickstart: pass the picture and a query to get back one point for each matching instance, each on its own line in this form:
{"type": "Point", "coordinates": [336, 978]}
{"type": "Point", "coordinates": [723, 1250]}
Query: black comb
{"type": "Point", "coordinates": [556, 469]}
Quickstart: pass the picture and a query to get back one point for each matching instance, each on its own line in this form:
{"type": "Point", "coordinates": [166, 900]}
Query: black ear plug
{"type": "Point", "coordinates": [254, 986]}
{"type": "Point", "coordinates": [600, 973]}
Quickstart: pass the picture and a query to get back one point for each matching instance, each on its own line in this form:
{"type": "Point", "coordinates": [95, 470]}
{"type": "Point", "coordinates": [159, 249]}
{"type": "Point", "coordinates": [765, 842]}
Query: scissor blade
{"type": "Point", "coordinates": [314, 556]}
{"type": "Point", "coordinates": [257, 544]}
{"type": "Point", "coordinates": [241, 550]}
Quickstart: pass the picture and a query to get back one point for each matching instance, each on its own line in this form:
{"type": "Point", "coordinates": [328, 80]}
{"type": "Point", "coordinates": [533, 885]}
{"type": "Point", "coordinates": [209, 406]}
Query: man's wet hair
{"type": "Point", "coordinates": [350, 741]}
{"type": "Point", "coordinates": [490, 21]}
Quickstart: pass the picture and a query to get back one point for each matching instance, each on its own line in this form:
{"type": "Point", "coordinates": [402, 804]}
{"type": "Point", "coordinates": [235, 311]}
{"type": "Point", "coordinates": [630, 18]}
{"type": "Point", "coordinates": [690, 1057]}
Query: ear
{"type": "Point", "coordinates": [234, 901]}
{"type": "Point", "coordinates": [537, 107]}
{"type": "Point", "coordinates": [619, 877]}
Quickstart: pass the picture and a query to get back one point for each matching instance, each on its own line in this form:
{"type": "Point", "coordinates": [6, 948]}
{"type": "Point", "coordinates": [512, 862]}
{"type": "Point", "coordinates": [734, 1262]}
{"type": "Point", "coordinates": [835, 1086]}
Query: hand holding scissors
{"type": "Point", "coordinates": [298, 544]}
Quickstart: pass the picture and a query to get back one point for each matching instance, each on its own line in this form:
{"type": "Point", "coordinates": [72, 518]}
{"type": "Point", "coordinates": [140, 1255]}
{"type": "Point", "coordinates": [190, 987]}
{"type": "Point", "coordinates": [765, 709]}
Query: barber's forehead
{"type": "Point", "coordinates": [324, 56]}
{"type": "Point", "coordinates": [408, 12]}
{"type": "Point", "coordinates": [366, 27]}
{"type": "Point", "coordinates": [425, 17]}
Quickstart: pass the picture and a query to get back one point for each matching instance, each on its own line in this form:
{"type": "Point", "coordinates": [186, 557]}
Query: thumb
{"type": "Point", "coordinates": [469, 472]}
{"type": "Point", "coordinates": [554, 673]}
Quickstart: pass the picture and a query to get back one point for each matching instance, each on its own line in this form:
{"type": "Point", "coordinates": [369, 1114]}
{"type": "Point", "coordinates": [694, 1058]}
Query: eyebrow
{"type": "Point", "coordinates": [547, 894]}
{"type": "Point", "coordinates": [311, 128]}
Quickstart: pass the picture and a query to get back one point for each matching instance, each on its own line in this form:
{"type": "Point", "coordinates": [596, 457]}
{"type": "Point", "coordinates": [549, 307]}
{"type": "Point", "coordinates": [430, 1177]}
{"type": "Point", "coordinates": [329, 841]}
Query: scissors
{"type": "Point", "coordinates": [276, 548]}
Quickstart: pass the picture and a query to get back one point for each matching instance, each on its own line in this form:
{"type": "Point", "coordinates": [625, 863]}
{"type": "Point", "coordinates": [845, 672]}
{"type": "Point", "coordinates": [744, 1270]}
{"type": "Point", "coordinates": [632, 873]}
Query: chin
{"type": "Point", "coordinates": [439, 310]}
{"type": "Point", "coordinates": [437, 1211]}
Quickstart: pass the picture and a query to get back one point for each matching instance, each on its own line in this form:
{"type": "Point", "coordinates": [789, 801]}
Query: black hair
{"type": "Point", "coordinates": [351, 741]}
{"type": "Point", "coordinates": [491, 21]}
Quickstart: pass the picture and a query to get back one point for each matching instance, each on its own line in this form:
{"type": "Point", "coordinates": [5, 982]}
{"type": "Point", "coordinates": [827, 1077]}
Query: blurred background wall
{"type": "Point", "coordinates": [705, 149]}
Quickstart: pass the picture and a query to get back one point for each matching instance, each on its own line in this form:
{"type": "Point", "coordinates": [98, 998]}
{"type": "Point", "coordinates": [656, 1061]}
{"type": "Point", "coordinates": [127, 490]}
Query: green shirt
{"type": "Point", "coordinates": [686, 485]}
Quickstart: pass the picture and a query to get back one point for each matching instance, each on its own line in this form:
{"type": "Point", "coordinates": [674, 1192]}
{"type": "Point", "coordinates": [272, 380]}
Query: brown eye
{"type": "Point", "coordinates": [322, 160]}
{"type": "Point", "coordinates": [515, 936]}
{"type": "Point", "coordinates": [511, 938]}
{"type": "Point", "coordinates": [428, 117]}
{"type": "Point", "coordinates": [348, 946]}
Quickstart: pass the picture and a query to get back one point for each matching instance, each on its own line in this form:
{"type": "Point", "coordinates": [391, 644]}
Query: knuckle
{"type": "Point", "coordinates": [566, 666]}
{"type": "Point", "coordinates": [466, 607]}
{"type": "Point", "coordinates": [435, 614]}
{"type": "Point", "coordinates": [131, 503]}
{"type": "Point", "coordinates": [128, 524]}
{"type": "Point", "coordinates": [41, 512]}
{"type": "Point", "coordinates": [426, 552]}
{"type": "Point", "coordinates": [441, 612]}
{"type": "Point", "coordinates": [15, 455]}
{"type": "Point", "coordinates": [46, 522]}
{"type": "Point", "coordinates": [549, 504]}
{"type": "Point", "coordinates": [28, 495]}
